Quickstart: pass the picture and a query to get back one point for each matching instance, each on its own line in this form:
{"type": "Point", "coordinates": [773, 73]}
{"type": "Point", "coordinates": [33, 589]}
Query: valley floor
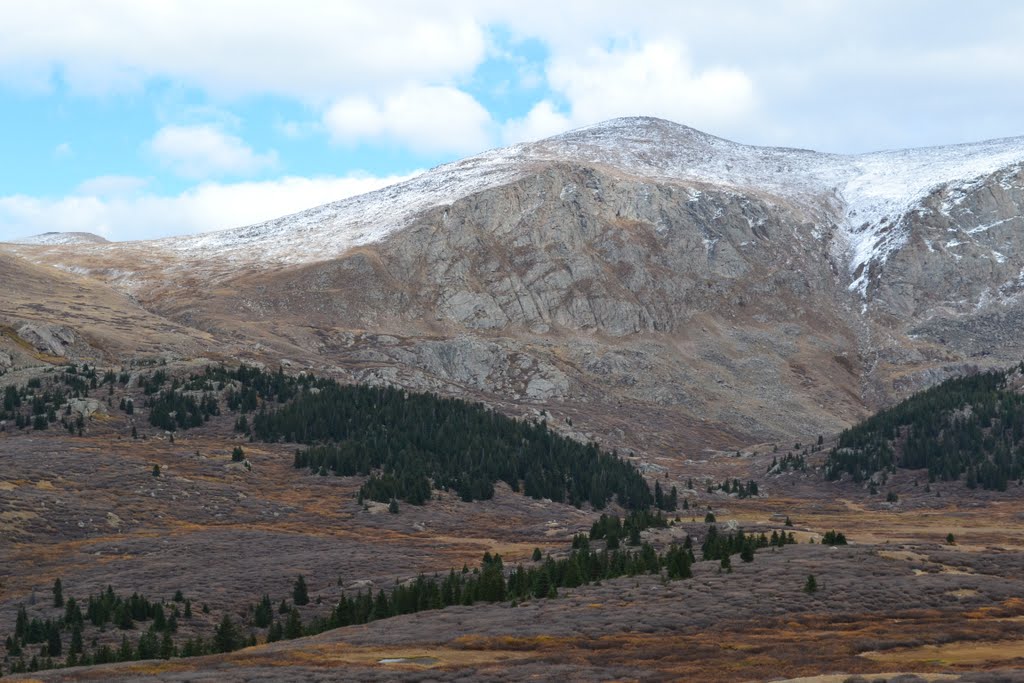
{"type": "Point", "coordinates": [899, 598]}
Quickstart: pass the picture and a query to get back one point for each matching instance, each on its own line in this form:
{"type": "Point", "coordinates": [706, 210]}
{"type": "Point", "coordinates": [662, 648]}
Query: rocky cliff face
{"type": "Point", "coordinates": [658, 286]}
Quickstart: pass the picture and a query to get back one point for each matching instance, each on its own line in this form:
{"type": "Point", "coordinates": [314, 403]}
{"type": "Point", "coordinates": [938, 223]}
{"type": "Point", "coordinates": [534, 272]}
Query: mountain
{"type": "Point", "coordinates": [653, 284]}
{"type": "Point", "coordinates": [63, 238]}
{"type": "Point", "coordinates": [723, 316]}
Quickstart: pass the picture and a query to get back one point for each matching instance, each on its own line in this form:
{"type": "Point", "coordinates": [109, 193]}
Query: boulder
{"type": "Point", "coordinates": [86, 407]}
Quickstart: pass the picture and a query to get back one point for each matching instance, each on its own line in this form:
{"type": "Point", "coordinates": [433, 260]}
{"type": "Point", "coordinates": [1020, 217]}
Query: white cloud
{"type": "Point", "coordinates": [297, 130]}
{"type": "Point", "coordinates": [202, 151]}
{"type": "Point", "coordinates": [542, 121]}
{"type": "Point", "coordinates": [63, 150]}
{"type": "Point", "coordinates": [231, 48]}
{"type": "Point", "coordinates": [424, 118]}
{"type": "Point", "coordinates": [782, 59]}
{"type": "Point", "coordinates": [658, 79]}
{"type": "Point", "coordinates": [111, 186]}
{"type": "Point", "coordinates": [209, 206]}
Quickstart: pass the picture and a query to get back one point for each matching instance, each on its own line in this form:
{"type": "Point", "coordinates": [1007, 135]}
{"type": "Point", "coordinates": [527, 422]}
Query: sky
{"type": "Point", "coordinates": [135, 120]}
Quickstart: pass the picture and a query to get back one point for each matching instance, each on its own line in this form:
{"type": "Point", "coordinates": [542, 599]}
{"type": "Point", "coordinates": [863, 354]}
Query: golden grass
{"type": "Point", "coordinates": [954, 654]}
{"type": "Point", "coordinates": [336, 655]}
{"type": "Point", "coordinates": [840, 678]}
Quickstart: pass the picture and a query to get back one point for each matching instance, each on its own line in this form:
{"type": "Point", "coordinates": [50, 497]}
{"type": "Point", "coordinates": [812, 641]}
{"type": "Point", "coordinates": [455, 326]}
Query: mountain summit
{"type": "Point", "coordinates": [635, 265]}
{"type": "Point", "coordinates": [866, 196]}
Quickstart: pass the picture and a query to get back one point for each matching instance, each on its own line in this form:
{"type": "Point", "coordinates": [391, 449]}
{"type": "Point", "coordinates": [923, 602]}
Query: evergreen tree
{"type": "Point", "coordinates": [300, 595]}
{"type": "Point", "coordinates": [126, 653]}
{"type": "Point", "coordinates": [227, 637]}
{"type": "Point", "coordinates": [263, 615]}
{"type": "Point", "coordinates": [53, 645]}
{"type": "Point", "coordinates": [167, 649]}
{"type": "Point", "coordinates": [76, 640]}
{"type": "Point", "coordinates": [293, 627]}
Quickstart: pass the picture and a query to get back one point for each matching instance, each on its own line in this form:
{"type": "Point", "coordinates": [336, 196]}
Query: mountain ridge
{"type": "Point", "coordinates": [867, 192]}
{"type": "Point", "coordinates": [635, 263]}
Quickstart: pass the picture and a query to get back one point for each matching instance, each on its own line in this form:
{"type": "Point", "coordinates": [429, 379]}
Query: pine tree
{"type": "Point", "coordinates": [58, 593]}
{"type": "Point", "coordinates": [300, 595]}
{"type": "Point", "coordinates": [76, 640]}
{"type": "Point", "coordinates": [811, 585]}
{"type": "Point", "coordinates": [167, 649]}
{"type": "Point", "coordinates": [747, 554]}
{"type": "Point", "coordinates": [226, 638]}
{"type": "Point", "coordinates": [53, 644]}
{"type": "Point", "coordinates": [293, 628]}
{"type": "Point", "coordinates": [263, 615]}
{"type": "Point", "coordinates": [126, 653]}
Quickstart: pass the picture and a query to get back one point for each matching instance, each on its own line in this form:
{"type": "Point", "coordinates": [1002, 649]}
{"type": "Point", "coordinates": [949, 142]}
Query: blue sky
{"type": "Point", "coordinates": [135, 120]}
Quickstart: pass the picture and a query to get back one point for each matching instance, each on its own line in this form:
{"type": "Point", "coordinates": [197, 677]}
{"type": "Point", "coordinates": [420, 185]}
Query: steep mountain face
{"type": "Point", "coordinates": [660, 286]}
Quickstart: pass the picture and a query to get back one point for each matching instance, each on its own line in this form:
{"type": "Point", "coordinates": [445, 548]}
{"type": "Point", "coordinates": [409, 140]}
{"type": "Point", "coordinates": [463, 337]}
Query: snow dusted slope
{"type": "Point", "coordinates": [875, 190]}
{"type": "Point", "coordinates": [888, 185]}
{"type": "Point", "coordinates": [327, 231]}
{"type": "Point", "coordinates": [872, 191]}
{"type": "Point", "coordinates": [58, 238]}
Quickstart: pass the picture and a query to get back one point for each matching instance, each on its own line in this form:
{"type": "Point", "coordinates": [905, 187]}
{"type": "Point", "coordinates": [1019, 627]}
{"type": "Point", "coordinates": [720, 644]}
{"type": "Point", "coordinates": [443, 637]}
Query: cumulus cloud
{"type": "Point", "coordinates": [233, 48]}
{"type": "Point", "coordinates": [423, 118]}
{"type": "Point", "coordinates": [541, 121]}
{"type": "Point", "coordinates": [657, 79]}
{"type": "Point", "coordinates": [203, 151]}
{"type": "Point", "coordinates": [111, 186]}
{"type": "Point", "coordinates": [208, 206]}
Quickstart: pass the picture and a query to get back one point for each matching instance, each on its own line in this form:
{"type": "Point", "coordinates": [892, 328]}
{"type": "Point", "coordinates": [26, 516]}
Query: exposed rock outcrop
{"type": "Point", "coordinates": [52, 339]}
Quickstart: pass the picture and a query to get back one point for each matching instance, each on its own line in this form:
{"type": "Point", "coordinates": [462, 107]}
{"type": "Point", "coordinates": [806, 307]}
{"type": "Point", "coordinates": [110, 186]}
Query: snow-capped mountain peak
{"type": "Point", "coordinates": [865, 196]}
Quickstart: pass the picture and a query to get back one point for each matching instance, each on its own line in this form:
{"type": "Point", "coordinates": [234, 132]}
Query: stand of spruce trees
{"type": "Point", "coordinates": [968, 427]}
{"type": "Point", "coordinates": [407, 442]}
